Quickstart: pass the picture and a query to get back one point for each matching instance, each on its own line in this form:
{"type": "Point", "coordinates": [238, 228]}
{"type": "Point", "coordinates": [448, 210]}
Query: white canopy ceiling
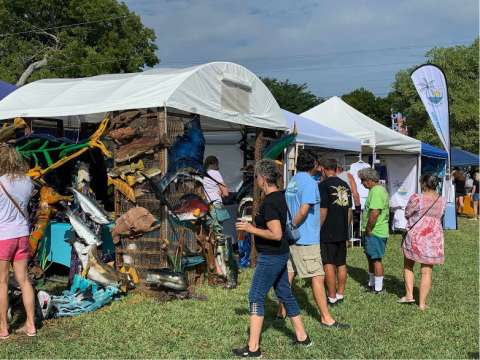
{"type": "Point", "coordinates": [219, 90]}
{"type": "Point", "coordinates": [338, 115]}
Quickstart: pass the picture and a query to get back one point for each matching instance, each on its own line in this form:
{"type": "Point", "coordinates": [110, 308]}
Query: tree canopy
{"type": "Point", "coordinates": [460, 65]}
{"type": "Point", "coordinates": [71, 38]}
{"type": "Point", "coordinates": [293, 97]}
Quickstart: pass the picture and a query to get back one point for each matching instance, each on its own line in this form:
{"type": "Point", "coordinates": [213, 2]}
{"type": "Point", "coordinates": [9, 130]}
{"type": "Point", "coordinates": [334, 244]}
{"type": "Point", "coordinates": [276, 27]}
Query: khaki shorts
{"type": "Point", "coordinates": [305, 261]}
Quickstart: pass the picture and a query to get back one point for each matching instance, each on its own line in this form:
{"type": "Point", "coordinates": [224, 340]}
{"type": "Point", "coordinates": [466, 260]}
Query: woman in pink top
{"type": "Point", "coordinates": [424, 240]}
{"type": "Point", "coordinates": [15, 191]}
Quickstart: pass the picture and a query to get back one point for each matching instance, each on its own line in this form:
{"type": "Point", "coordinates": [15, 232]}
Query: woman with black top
{"type": "Point", "coordinates": [459, 180]}
{"type": "Point", "coordinates": [273, 253]}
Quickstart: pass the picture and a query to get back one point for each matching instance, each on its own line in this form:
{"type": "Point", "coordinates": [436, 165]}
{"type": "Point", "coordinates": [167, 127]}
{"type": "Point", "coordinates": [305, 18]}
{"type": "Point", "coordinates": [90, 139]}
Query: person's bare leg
{"type": "Point", "coordinates": [28, 296]}
{"type": "Point", "coordinates": [256, 323]}
{"type": "Point", "coordinates": [378, 268]}
{"type": "Point", "coordinates": [318, 287]}
{"type": "Point", "coordinates": [330, 280]}
{"type": "Point", "coordinates": [460, 205]}
{"type": "Point", "coordinates": [408, 277]}
{"type": "Point", "coordinates": [3, 297]}
{"type": "Point", "coordinates": [342, 279]}
{"type": "Point", "coordinates": [475, 209]}
{"type": "Point", "coordinates": [425, 285]}
{"type": "Point", "coordinates": [282, 312]}
{"type": "Point", "coordinates": [297, 324]}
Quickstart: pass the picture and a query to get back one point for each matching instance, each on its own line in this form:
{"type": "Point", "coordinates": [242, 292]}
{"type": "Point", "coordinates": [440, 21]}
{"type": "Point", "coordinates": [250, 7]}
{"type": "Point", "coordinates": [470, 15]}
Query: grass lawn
{"type": "Point", "coordinates": [140, 326]}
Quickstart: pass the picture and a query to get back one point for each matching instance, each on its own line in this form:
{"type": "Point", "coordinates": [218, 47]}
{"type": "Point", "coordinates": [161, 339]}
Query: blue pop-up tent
{"type": "Point", "coordinates": [5, 89]}
{"type": "Point", "coordinates": [433, 152]}
{"type": "Point", "coordinates": [311, 133]}
{"type": "Point", "coordinates": [464, 158]}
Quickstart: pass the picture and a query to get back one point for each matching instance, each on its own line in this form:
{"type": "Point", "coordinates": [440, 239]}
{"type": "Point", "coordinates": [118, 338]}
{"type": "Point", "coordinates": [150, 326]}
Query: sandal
{"type": "Point", "coordinates": [4, 337]}
{"type": "Point", "coordinates": [404, 300]}
{"type": "Point", "coordinates": [23, 331]}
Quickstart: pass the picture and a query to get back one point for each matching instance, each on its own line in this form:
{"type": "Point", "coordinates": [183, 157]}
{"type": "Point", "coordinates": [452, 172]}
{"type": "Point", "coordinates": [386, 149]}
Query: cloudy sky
{"type": "Point", "coordinates": [333, 46]}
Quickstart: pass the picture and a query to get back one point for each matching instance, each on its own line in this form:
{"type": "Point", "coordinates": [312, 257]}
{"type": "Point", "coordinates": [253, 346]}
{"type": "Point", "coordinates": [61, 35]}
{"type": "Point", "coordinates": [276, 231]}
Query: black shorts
{"type": "Point", "coordinates": [334, 253]}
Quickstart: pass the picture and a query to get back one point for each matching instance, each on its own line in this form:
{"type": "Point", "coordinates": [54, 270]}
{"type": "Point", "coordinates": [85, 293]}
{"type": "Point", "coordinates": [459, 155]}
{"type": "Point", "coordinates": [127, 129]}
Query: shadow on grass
{"type": "Point", "coordinates": [473, 355]}
{"type": "Point", "coordinates": [392, 284]}
{"type": "Point", "coordinates": [271, 307]}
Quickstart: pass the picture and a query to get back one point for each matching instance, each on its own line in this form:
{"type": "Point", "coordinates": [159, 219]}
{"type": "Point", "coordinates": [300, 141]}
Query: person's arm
{"type": "Point", "coordinates": [372, 219]}
{"type": "Point", "coordinates": [474, 188]}
{"type": "Point", "coordinates": [413, 206]}
{"type": "Point", "coordinates": [323, 215]}
{"type": "Point", "coordinates": [301, 215]}
{"type": "Point", "coordinates": [223, 190]}
{"type": "Point", "coordinates": [350, 216]}
{"type": "Point", "coordinates": [353, 188]}
{"type": "Point", "coordinates": [273, 231]}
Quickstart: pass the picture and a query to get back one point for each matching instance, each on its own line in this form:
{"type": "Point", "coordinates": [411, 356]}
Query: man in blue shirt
{"type": "Point", "coordinates": [303, 201]}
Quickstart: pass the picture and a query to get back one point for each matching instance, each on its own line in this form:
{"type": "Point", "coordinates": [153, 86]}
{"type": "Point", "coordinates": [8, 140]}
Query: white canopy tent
{"type": "Point", "coordinates": [227, 94]}
{"type": "Point", "coordinates": [375, 137]}
{"type": "Point", "coordinates": [403, 172]}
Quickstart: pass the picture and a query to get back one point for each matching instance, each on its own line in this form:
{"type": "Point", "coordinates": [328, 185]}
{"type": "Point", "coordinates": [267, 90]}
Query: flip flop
{"type": "Point", "coordinates": [24, 331]}
{"type": "Point", "coordinates": [404, 300]}
{"type": "Point", "coordinates": [4, 337]}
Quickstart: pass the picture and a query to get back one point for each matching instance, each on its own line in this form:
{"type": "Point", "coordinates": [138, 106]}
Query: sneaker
{"type": "Point", "coordinates": [306, 343]}
{"type": "Point", "coordinates": [246, 353]}
{"type": "Point", "coordinates": [332, 303]}
{"type": "Point", "coordinates": [339, 301]}
{"type": "Point", "coordinates": [336, 325]}
{"type": "Point", "coordinates": [379, 292]}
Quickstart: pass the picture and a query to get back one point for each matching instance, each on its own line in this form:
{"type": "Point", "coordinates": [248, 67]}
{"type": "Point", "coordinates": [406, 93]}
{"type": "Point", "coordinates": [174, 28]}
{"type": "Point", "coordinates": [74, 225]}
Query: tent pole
{"type": "Point", "coordinates": [374, 157]}
{"type": "Point", "coordinates": [419, 171]}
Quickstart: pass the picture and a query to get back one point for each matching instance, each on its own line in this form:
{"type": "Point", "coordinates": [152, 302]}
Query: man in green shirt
{"type": "Point", "coordinates": [374, 227]}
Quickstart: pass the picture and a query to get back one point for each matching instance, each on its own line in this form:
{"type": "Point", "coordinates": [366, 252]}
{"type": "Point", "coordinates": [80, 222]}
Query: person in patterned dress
{"type": "Point", "coordinates": [424, 241]}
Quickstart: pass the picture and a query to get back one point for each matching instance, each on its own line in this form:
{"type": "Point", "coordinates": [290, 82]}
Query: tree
{"type": "Point", "coordinates": [367, 103]}
{"type": "Point", "coordinates": [460, 65]}
{"type": "Point", "coordinates": [71, 38]}
{"type": "Point", "coordinates": [293, 97]}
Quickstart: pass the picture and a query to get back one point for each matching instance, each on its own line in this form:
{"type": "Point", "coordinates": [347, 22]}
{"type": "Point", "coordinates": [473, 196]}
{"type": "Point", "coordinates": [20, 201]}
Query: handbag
{"type": "Point", "coordinates": [292, 233]}
{"type": "Point", "coordinates": [14, 202]}
{"type": "Point", "coordinates": [221, 213]}
{"type": "Point", "coordinates": [416, 222]}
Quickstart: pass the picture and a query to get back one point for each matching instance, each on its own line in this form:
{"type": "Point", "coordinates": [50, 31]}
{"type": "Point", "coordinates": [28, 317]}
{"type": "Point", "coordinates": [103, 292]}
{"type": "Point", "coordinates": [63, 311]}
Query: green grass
{"type": "Point", "coordinates": [140, 326]}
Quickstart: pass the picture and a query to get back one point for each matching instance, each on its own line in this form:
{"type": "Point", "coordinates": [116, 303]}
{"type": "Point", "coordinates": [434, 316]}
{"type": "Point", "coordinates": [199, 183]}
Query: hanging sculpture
{"type": "Point", "coordinates": [48, 153]}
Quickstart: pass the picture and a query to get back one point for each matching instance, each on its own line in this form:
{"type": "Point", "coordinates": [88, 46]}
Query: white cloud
{"type": "Point", "coordinates": [268, 36]}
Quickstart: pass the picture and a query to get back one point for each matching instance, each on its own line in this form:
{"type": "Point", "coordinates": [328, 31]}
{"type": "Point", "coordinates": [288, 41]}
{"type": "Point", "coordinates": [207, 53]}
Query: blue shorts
{"type": "Point", "coordinates": [374, 246]}
{"type": "Point", "coordinates": [476, 197]}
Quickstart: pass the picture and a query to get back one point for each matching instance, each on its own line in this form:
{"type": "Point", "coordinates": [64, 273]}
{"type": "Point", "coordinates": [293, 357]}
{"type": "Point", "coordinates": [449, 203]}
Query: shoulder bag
{"type": "Point", "coordinates": [14, 202]}
{"type": "Point", "coordinates": [416, 222]}
{"type": "Point", "coordinates": [292, 234]}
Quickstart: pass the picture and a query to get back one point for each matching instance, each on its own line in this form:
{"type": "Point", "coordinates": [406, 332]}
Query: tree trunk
{"type": "Point", "coordinates": [30, 69]}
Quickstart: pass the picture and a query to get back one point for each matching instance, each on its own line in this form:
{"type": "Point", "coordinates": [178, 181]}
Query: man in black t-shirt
{"type": "Point", "coordinates": [335, 218]}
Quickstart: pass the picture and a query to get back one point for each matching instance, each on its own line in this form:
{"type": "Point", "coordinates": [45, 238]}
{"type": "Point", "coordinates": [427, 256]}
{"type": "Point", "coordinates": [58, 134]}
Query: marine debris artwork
{"type": "Point", "coordinates": [275, 149]}
{"type": "Point", "coordinates": [7, 132]}
{"type": "Point", "coordinates": [84, 296]}
{"type": "Point", "coordinates": [166, 278]}
{"type": "Point", "coordinates": [82, 230]}
{"type": "Point", "coordinates": [47, 153]}
{"type": "Point", "coordinates": [123, 134]}
{"type": "Point", "coordinates": [135, 148]}
{"type": "Point", "coordinates": [45, 210]}
{"type": "Point", "coordinates": [188, 150]}
{"type": "Point", "coordinates": [191, 208]}
{"type": "Point", "coordinates": [123, 188]}
{"type": "Point", "coordinates": [135, 221]}
{"type": "Point", "coordinates": [122, 171]}
{"type": "Point", "coordinates": [91, 208]}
